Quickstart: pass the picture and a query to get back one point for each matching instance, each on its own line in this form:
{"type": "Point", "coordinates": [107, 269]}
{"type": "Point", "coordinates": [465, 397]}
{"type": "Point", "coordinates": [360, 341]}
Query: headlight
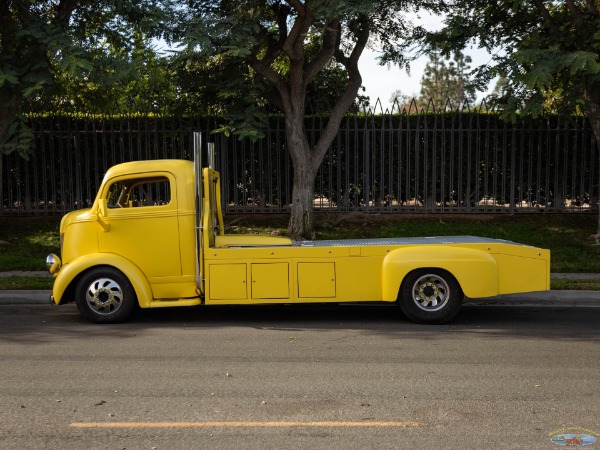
{"type": "Point", "coordinates": [53, 263]}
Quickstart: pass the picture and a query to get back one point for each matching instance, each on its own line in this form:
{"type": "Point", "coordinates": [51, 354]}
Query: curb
{"type": "Point", "coordinates": [25, 297]}
{"type": "Point", "coordinates": [562, 298]}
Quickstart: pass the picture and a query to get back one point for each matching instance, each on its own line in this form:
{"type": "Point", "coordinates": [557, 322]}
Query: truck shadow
{"type": "Point", "coordinates": [36, 323]}
{"type": "Point", "coordinates": [524, 321]}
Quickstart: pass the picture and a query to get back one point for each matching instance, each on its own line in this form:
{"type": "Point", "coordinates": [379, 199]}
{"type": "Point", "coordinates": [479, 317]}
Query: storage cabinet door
{"type": "Point", "coordinates": [270, 281]}
{"type": "Point", "coordinates": [228, 282]}
{"type": "Point", "coordinates": [316, 280]}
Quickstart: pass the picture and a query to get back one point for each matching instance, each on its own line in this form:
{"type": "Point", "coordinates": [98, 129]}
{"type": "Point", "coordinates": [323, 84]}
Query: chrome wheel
{"type": "Point", "coordinates": [430, 296]}
{"type": "Point", "coordinates": [430, 292]}
{"type": "Point", "coordinates": [104, 296]}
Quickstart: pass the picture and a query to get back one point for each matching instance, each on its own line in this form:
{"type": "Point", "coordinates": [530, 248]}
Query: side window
{"type": "Point", "coordinates": [138, 192]}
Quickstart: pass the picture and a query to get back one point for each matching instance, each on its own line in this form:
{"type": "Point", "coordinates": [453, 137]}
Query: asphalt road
{"type": "Point", "coordinates": [500, 376]}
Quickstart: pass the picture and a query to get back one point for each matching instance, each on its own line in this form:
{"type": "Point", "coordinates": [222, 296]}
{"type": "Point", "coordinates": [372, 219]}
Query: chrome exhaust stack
{"type": "Point", "coordinates": [197, 148]}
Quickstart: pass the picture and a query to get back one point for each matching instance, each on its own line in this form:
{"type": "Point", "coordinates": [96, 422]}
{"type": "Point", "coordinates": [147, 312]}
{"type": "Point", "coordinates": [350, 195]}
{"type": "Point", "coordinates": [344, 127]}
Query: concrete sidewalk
{"type": "Point", "coordinates": [21, 273]}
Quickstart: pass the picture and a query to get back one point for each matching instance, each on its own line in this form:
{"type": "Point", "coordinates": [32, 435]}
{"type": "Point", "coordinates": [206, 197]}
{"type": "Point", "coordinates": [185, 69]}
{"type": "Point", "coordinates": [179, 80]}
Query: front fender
{"type": "Point", "coordinates": [69, 273]}
{"type": "Point", "coordinates": [476, 271]}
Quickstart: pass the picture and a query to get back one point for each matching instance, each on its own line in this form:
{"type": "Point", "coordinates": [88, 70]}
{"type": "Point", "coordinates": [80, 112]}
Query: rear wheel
{"type": "Point", "coordinates": [430, 296]}
{"type": "Point", "coordinates": [105, 295]}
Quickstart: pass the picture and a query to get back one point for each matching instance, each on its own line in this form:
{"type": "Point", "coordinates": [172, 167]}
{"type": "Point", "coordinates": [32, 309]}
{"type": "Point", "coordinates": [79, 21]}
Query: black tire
{"type": "Point", "coordinates": [105, 295]}
{"type": "Point", "coordinates": [430, 296]}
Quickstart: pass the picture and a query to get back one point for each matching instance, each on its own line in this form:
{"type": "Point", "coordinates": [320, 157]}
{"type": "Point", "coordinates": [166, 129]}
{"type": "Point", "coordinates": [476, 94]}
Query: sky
{"type": "Point", "coordinates": [381, 81]}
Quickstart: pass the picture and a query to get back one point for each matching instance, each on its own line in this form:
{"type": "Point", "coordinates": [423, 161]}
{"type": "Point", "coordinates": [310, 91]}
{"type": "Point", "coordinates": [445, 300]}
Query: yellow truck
{"type": "Point", "coordinates": [155, 236]}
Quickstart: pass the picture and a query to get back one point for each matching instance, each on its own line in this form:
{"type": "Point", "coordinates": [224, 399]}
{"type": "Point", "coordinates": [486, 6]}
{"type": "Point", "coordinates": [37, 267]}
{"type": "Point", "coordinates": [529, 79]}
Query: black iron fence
{"type": "Point", "coordinates": [453, 162]}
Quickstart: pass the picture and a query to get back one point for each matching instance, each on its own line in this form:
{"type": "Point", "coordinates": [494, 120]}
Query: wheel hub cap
{"type": "Point", "coordinates": [431, 293]}
{"type": "Point", "coordinates": [104, 296]}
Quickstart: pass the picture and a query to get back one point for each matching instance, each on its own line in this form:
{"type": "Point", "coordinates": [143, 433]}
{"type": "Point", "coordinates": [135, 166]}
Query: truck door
{"type": "Point", "coordinates": [142, 223]}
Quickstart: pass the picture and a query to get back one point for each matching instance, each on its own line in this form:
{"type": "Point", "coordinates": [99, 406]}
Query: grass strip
{"type": "Point", "coordinates": [25, 283]}
{"type": "Point", "coordinates": [25, 241]}
{"type": "Point", "coordinates": [575, 285]}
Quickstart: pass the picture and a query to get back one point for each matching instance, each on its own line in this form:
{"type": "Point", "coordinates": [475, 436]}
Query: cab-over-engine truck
{"type": "Point", "coordinates": [155, 236]}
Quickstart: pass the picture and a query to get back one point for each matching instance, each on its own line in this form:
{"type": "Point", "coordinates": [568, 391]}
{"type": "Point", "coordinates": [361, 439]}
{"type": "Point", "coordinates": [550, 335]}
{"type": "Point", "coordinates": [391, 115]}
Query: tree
{"type": "Point", "coordinates": [445, 82]}
{"type": "Point", "coordinates": [117, 81]}
{"type": "Point", "coordinates": [206, 81]}
{"type": "Point", "coordinates": [272, 50]}
{"type": "Point", "coordinates": [405, 103]}
{"type": "Point", "coordinates": [44, 41]}
{"type": "Point", "coordinates": [499, 90]}
{"type": "Point", "coordinates": [549, 49]}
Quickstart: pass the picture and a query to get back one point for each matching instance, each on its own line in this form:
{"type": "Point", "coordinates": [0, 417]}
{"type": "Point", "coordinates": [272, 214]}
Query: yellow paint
{"type": "Point", "coordinates": [154, 246]}
{"type": "Point", "coordinates": [148, 236]}
{"type": "Point", "coordinates": [236, 288]}
{"type": "Point", "coordinates": [250, 240]}
{"type": "Point", "coordinates": [521, 273]}
{"type": "Point", "coordinates": [270, 280]}
{"type": "Point", "coordinates": [244, 424]}
{"type": "Point", "coordinates": [316, 280]}
{"type": "Point", "coordinates": [474, 268]}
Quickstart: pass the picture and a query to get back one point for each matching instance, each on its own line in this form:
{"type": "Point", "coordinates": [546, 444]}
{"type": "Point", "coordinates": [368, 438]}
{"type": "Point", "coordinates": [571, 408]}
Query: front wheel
{"type": "Point", "coordinates": [105, 295]}
{"type": "Point", "coordinates": [430, 296]}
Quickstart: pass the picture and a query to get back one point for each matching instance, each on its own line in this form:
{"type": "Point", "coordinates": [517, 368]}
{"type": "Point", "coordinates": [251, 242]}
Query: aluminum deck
{"type": "Point", "coordinates": [404, 241]}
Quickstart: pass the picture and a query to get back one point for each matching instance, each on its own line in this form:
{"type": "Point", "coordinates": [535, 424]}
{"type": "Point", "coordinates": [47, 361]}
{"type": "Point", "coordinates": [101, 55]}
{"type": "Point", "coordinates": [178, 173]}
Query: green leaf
{"type": "Point", "coordinates": [583, 62]}
{"type": "Point", "coordinates": [238, 52]}
{"type": "Point", "coordinates": [18, 139]}
{"type": "Point", "coordinates": [30, 91]}
{"type": "Point", "coordinates": [8, 78]}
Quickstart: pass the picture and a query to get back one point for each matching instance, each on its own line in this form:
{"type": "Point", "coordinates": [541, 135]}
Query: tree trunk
{"type": "Point", "coordinates": [303, 192]}
{"type": "Point", "coordinates": [592, 95]}
{"type": "Point", "coordinates": [305, 172]}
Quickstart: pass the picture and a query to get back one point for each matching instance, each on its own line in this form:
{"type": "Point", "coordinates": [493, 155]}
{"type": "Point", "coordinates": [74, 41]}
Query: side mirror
{"type": "Point", "coordinates": [102, 213]}
{"type": "Point", "coordinates": [103, 207]}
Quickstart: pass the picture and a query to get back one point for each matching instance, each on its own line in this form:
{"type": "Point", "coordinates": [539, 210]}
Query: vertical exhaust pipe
{"type": "Point", "coordinates": [210, 146]}
{"type": "Point", "coordinates": [197, 148]}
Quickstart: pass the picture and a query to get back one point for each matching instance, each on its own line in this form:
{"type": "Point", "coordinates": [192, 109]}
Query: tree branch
{"type": "Point", "coordinates": [330, 41]}
{"type": "Point", "coordinates": [294, 42]}
{"type": "Point", "coordinates": [282, 13]}
{"type": "Point", "coordinates": [274, 97]}
{"type": "Point", "coordinates": [573, 9]}
{"type": "Point", "coordinates": [593, 6]}
{"type": "Point", "coordinates": [349, 95]}
{"type": "Point", "coordinates": [539, 4]}
{"type": "Point", "coordinates": [64, 10]}
{"type": "Point", "coordinates": [296, 4]}
{"type": "Point", "coordinates": [273, 46]}
{"type": "Point", "coordinates": [266, 71]}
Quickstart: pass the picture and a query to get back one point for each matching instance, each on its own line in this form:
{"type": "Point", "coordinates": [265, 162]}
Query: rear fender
{"type": "Point", "coordinates": [69, 274]}
{"type": "Point", "coordinates": [476, 271]}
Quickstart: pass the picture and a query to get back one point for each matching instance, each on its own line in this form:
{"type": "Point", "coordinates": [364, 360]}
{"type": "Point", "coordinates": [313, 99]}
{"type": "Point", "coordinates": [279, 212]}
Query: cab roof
{"type": "Point", "coordinates": [155, 165]}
